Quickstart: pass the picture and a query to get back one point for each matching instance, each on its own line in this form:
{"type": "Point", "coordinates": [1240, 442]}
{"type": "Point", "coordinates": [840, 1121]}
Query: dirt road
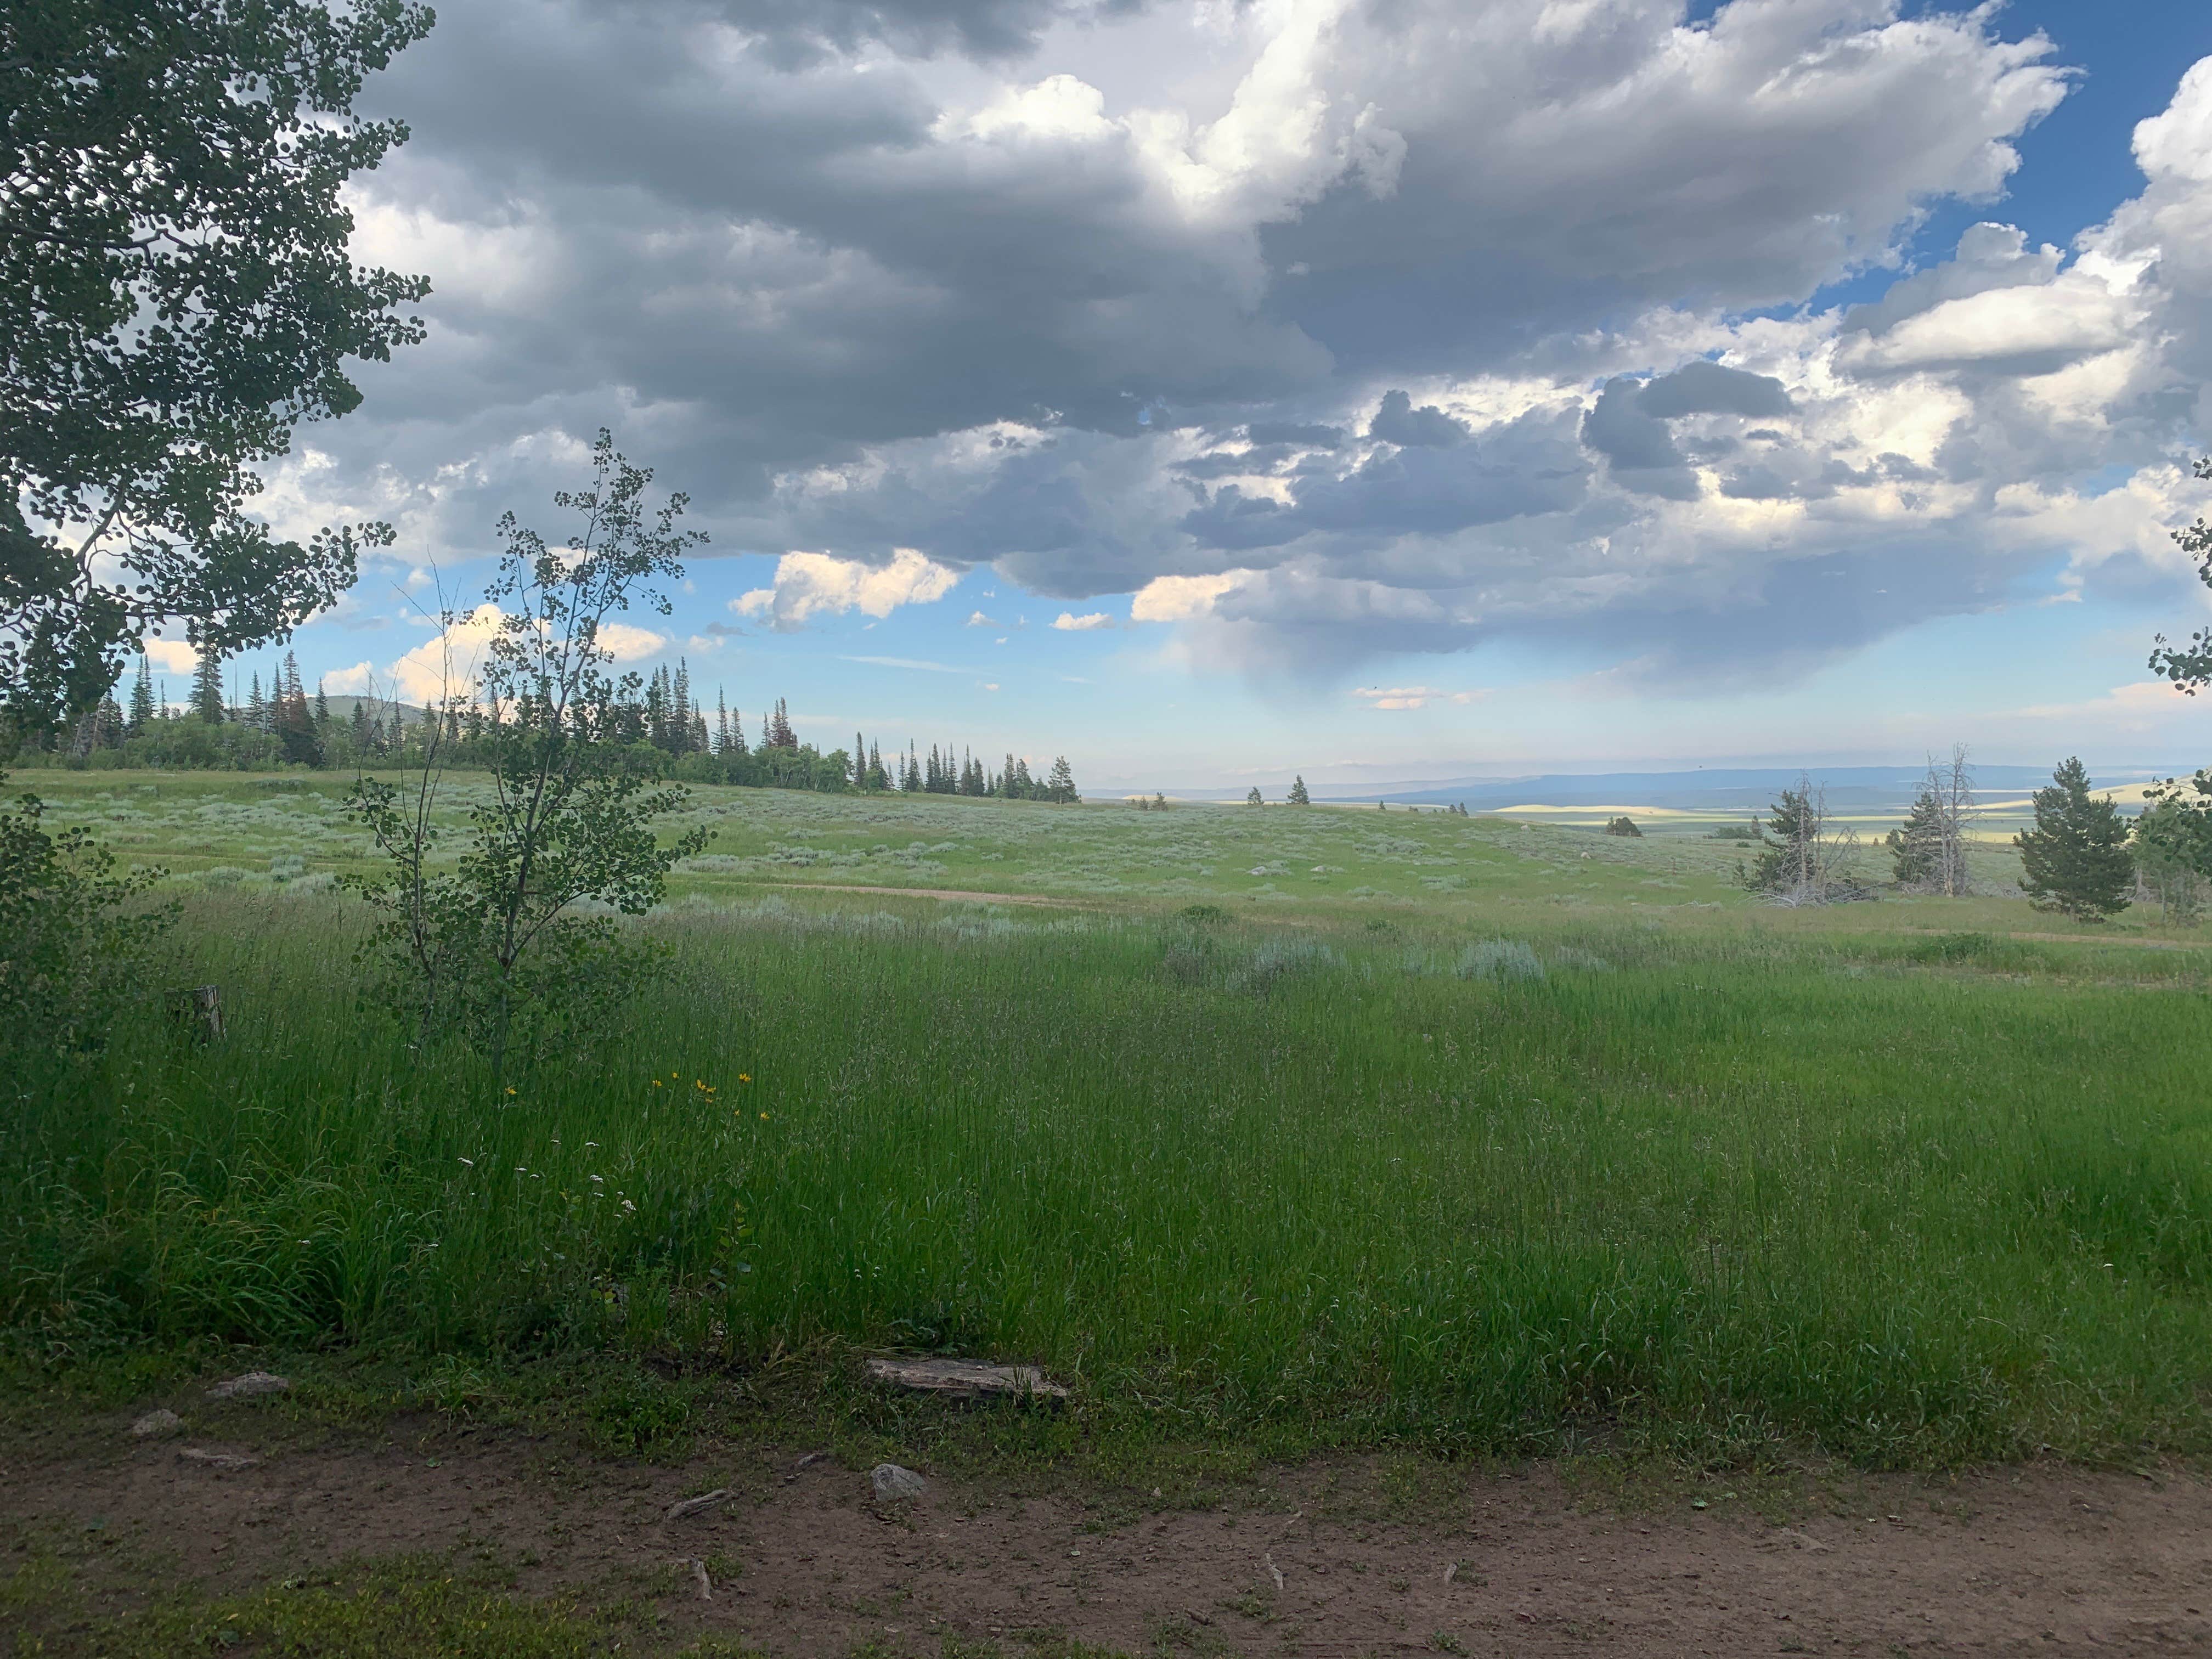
{"type": "Point", "coordinates": [2038, 1560]}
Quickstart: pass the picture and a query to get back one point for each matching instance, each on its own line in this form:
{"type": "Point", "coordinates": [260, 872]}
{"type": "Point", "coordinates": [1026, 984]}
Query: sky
{"type": "Point", "coordinates": [1407, 388]}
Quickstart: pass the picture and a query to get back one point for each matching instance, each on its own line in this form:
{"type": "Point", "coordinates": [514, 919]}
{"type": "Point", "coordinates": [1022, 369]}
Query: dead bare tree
{"type": "Point", "coordinates": [1930, 848]}
{"type": "Point", "coordinates": [1803, 858]}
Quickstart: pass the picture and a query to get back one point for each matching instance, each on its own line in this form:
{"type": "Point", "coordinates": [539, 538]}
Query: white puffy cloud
{"type": "Point", "coordinates": [172, 656]}
{"type": "Point", "coordinates": [357, 681]}
{"type": "Point", "coordinates": [446, 664]}
{"type": "Point", "coordinates": [626, 642]}
{"type": "Point", "coordinates": [1069, 623]}
{"type": "Point", "coordinates": [1179, 599]}
{"type": "Point", "coordinates": [808, 585]}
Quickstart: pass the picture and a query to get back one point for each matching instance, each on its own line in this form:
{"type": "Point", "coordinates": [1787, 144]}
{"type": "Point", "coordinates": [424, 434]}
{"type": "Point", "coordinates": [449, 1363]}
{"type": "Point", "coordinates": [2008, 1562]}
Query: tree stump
{"type": "Point", "coordinates": [200, 1010]}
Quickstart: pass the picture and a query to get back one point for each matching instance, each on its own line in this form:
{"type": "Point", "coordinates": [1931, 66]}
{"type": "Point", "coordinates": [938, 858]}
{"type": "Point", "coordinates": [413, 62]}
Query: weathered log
{"type": "Point", "coordinates": [966, 1379]}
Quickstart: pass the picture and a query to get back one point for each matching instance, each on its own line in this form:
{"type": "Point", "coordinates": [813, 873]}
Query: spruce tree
{"type": "Point", "coordinates": [1915, 847]}
{"type": "Point", "coordinates": [1298, 796]}
{"type": "Point", "coordinates": [1253, 797]}
{"type": "Point", "coordinates": [207, 689]}
{"type": "Point", "coordinates": [142, 697]}
{"type": "Point", "coordinates": [322, 710]}
{"type": "Point", "coordinates": [1060, 785]}
{"type": "Point", "coordinates": [2075, 859]}
{"type": "Point", "coordinates": [777, 733]}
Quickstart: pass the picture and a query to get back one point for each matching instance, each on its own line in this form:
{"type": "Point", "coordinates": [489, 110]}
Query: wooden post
{"type": "Point", "coordinates": [200, 1010]}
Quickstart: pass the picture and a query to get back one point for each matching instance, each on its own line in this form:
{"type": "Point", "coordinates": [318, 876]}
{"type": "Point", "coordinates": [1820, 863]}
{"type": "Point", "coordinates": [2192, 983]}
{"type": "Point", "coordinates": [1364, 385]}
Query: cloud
{"type": "Point", "coordinates": [1068, 623]}
{"type": "Point", "coordinates": [1699, 387]}
{"type": "Point", "coordinates": [808, 585]}
{"type": "Point", "coordinates": [172, 656]}
{"type": "Point", "coordinates": [1409, 697]}
{"type": "Point", "coordinates": [357, 681]}
{"type": "Point", "coordinates": [626, 643]}
{"type": "Point", "coordinates": [1179, 598]}
{"type": "Point", "coordinates": [1397, 421]}
{"type": "Point", "coordinates": [977, 619]}
{"type": "Point", "coordinates": [906, 662]}
{"type": "Point", "coordinates": [2142, 707]}
{"type": "Point", "coordinates": [1323, 331]}
{"type": "Point", "coordinates": [447, 665]}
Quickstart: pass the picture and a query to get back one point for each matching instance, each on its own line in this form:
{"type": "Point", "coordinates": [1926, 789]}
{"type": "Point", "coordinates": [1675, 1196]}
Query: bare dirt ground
{"type": "Point", "coordinates": [1317, 1559]}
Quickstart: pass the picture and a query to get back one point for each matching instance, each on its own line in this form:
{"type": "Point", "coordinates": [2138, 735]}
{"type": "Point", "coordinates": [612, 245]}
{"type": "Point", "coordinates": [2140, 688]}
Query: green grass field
{"type": "Point", "coordinates": [1284, 1129]}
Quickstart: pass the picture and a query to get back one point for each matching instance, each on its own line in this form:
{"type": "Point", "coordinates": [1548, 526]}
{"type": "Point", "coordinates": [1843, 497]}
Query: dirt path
{"type": "Point", "coordinates": [2034, 1561]}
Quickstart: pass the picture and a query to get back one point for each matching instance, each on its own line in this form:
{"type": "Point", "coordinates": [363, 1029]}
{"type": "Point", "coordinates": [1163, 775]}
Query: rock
{"type": "Point", "coordinates": [245, 1386]}
{"type": "Point", "coordinates": [893, 1485]}
{"type": "Point", "coordinates": [698, 1505]}
{"type": "Point", "coordinates": [965, 1379]}
{"type": "Point", "coordinates": [160, 1421]}
{"type": "Point", "coordinates": [220, 1462]}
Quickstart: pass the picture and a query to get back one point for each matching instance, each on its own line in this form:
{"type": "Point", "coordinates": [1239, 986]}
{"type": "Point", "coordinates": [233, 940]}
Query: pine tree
{"type": "Point", "coordinates": [360, 732]}
{"type": "Point", "coordinates": [679, 698]}
{"type": "Point", "coordinates": [1253, 797]}
{"type": "Point", "coordinates": [721, 722]}
{"type": "Point", "coordinates": [2075, 859]}
{"type": "Point", "coordinates": [322, 710]}
{"type": "Point", "coordinates": [142, 697]}
{"type": "Point", "coordinates": [257, 716]}
{"type": "Point", "coordinates": [876, 779]}
{"type": "Point", "coordinates": [207, 688]}
{"type": "Point", "coordinates": [859, 764]}
{"type": "Point", "coordinates": [779, 734]}
{"type": "Point", "coordinates": [1298, 796]}
{"type": "Point", "coordinates": [1916, 846]}
{"type": "Point", "coordinates": [1060, 785]}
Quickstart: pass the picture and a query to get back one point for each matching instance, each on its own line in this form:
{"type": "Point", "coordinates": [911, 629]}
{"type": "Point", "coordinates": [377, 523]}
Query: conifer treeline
{"type": "Point", "coordinates": [664, 722]}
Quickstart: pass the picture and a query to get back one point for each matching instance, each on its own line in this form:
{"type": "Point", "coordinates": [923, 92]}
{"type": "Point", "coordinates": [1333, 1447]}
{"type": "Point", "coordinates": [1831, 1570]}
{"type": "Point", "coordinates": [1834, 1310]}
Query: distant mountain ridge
{"type": "Point", "coordinates": [1701, 789]}
{"type": "Point", "coordinates": [1715, 789]}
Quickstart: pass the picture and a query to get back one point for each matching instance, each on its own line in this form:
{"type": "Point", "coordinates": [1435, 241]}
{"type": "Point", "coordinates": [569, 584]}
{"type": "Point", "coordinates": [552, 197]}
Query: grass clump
{"type": "Point", "coordinates": [405, 1609]}
{"type": "Point", "coordinates": [1499, 959]}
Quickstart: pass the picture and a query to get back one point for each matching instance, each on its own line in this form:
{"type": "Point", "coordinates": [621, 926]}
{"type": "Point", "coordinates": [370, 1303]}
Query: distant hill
{"type": "Point", "coordinates": [1867, 789]}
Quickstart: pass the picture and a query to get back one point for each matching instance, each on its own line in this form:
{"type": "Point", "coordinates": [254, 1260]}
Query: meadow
{"type": "Point", "coordinates": [1277, 1128]}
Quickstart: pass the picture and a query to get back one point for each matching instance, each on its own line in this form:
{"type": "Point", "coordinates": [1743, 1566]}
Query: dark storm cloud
{"type": "Point", "coordinates": [1397, 421]}
{"type": "Point", "coordinates": [1707, 388]}
{"type": "Point", "coordinates": [800, 32]}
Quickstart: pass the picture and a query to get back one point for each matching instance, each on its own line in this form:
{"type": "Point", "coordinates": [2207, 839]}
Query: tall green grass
{"type": "Point", "coordinates": [1336, 1188]}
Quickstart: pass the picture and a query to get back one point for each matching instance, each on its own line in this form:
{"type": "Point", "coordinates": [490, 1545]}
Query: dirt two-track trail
{"type": "Point", "coordinates": [2040, 1560]}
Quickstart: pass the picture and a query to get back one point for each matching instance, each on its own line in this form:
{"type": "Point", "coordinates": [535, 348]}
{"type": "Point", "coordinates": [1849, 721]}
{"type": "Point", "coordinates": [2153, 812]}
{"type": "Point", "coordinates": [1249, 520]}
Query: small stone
{"type": "Point", "coordinates": [222, 1461]}
{"type": "Point", "coordinates": [245, 1386]}
{"type": "Point", "coordinates": [160, 1421]}
{"type": "Point", "coordinates": [893, 1485]}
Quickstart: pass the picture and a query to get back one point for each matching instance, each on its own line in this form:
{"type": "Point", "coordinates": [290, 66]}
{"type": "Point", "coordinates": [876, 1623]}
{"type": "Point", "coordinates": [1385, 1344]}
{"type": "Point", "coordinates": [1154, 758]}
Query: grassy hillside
{"type": "Point", "coordinates": [1279, 860]}
{"type": "Point", "coordinates": [1462, 1138]}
